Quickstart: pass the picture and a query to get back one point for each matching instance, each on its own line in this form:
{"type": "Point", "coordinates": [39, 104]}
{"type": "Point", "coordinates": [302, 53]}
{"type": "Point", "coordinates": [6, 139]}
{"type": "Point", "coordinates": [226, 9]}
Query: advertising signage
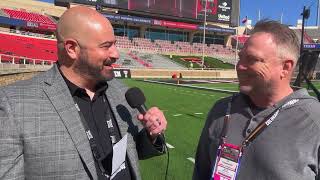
{"type": "Point", "coordinates": [172, 24]}
{"type": "Point", "coordinates": [311, 46]}
{"type": "Point", "coordinates": [125, 18]}
{"type": "Point", "coordinates": [216, 10]}
{"type": "Point", "coordinates": [169, 24]}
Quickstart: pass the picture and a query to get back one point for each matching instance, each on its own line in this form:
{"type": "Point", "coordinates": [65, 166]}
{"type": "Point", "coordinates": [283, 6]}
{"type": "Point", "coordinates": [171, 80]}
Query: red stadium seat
{"type": "Point", "coordinates": [28, 16]}
{"type": "Point", "coordinates": [30, 47]}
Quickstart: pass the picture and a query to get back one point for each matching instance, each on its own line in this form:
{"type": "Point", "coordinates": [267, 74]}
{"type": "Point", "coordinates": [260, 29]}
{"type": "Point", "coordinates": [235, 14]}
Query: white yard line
{"type": "Point", "coordinates": [175, 115]}
{"type": "Point", "coordinates": [169, 146]}
{"type": "Point", "coordinates": [191, 159]}
{"type": "Point", "coordinates": [198, 113]}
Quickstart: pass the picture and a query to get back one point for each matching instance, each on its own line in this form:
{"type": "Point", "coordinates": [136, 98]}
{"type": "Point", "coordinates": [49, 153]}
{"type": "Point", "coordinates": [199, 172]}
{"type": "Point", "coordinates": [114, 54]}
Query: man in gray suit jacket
{"type": "Point", "coordinates": [42, 130]}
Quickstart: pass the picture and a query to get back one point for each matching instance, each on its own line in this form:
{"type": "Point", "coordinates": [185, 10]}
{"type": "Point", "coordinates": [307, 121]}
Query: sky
{"type": "Point", "coordinates": [272, 9]}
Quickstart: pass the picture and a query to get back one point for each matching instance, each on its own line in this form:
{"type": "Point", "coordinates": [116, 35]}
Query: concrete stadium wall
{"type": "Point", "coordinates": [10, 73]}
{"type": "Point", "coordinates": [8, 68]}
{"type": "Point", "coordinates": [4, 29]}
{"type": "Point", "coordinates": [11, 78]}
{"type": "Point", "coordinates": [166, 73]}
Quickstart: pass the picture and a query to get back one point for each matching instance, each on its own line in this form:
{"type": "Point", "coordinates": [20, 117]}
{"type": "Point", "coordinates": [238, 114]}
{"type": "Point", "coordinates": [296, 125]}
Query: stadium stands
{"type": "Point", "coordinates": [165, 46]}
{"type": "Point", "coordinates": [313, 33]}
{"type": "Point", "coordinates": [159, 61]}
{"type": "Point", "coordinates": [37, 48]}
{"type": "Point", "coordinates": [40, 48]}
{"type": "Point", "coordinates": [134, 56]}
{"type": "Point", "coordinates": [135, 44]}
{"type": "Point", "coordinates": [306, 39]}
{"type": "Point", "coordinates": [178, 47]}
{"type": "Point", "coordinates": [123, 42]}
{"type": "Point", "coordinates": [127, 61]}
{"type": "Point", "coordinates": [28, 16]}
{"type": "Point", "coordinates": [144, 44]}
{"type": "Point", "coordinates": [33, 34]}
{"type": "Point", "coordinates": [3, 14]}
{"type": "Point", "coordinates": [137, 59]}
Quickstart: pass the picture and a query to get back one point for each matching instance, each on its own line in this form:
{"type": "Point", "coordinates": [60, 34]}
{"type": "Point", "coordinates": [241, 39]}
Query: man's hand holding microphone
{"type": "Point", "coordinates": [153, 119]}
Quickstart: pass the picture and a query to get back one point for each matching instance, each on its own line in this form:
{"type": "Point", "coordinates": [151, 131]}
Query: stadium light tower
{"type": "Point", "coordinates": [204, 33]}
{"type": "Point", "coordinates": [305, 15]}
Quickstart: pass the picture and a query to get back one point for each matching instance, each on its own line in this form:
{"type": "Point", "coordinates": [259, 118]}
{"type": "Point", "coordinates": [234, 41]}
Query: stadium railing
{"type": "Point", "coordinates": [9, 59]}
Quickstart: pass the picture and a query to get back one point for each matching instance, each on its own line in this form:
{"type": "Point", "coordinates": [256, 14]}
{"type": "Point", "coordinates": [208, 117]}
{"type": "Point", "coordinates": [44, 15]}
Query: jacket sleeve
{"type": "Point", "coordinates": [145, 147]}
{"type": "Point", "coordinates": [11, 145]}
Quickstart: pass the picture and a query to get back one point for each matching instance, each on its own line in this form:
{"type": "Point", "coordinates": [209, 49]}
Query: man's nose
{"type": "Point", "coordinates": [114, 52]}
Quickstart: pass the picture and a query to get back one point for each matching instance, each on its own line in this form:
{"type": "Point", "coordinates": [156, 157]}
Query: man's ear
{"type": "Point", "coordinates": [287, 68]}
{"type": "Point", "coordinates": [72, 48]}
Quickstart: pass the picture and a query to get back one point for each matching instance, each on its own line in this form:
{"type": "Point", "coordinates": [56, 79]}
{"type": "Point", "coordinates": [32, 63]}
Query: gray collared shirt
{"type": "Point", "coordinates": [287, 149]}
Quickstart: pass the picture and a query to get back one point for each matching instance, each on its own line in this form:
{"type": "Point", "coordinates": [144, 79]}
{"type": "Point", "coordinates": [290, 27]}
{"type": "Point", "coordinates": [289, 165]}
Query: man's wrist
{"type": "Point", "coordinates": [158, 143]}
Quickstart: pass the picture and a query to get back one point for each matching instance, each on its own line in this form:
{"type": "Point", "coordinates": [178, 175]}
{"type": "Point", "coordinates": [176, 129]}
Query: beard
{"type": "Point", "coordinates": [257, 86]}
{"type": "Point", "coordinates": [84, 68]}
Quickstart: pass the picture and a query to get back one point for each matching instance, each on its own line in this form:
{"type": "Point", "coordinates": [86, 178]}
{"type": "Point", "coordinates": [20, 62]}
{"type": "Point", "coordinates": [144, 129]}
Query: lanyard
{"type": "Point", "coordinates": [93, 145]}
{"type": "Point", "coordinates": [226, 121]}
{"type": "Point", "coordinates": [259, 129]}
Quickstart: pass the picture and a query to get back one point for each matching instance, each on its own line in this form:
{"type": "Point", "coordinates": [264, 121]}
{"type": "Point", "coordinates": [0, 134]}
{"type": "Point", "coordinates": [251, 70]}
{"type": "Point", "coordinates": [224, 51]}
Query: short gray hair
{"type": "Point", "coordinates": [285, 38]}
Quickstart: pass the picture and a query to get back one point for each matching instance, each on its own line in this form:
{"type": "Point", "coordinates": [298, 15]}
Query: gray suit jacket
{"type": "Point", "coordinates": [42, 137]}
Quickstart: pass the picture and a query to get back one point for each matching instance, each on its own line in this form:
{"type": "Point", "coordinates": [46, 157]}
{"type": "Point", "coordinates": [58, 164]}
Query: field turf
{"type": "Point", "coordinates": [186, 110]}
{"type": "Point", "coordinates": [226, 86]}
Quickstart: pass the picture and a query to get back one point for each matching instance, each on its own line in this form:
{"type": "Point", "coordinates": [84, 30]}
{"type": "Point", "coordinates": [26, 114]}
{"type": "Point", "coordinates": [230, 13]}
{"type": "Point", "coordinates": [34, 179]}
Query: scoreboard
{"type": "Point", "coordinates": [216, 10]}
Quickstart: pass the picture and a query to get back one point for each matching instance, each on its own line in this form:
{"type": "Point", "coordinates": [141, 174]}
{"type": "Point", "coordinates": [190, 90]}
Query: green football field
{"type": "Point", "coordinates": [226, 86]}
{"type": "Point", "coordinates": [186, 110]}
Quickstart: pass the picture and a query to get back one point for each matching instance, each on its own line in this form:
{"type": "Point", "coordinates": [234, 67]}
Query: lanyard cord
{"type": "Point", "coordinates": [93, 145]}
{"type": "Point", "coordinates": [259, 129]}
{"type": "Point", "coordinates": [226, 121]}
{"type": "Point", "coordinates": [264, 124]}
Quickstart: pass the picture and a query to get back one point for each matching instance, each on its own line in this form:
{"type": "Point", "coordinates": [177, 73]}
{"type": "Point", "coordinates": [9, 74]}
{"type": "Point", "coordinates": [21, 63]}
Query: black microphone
{"type": "Point", "coordinates": [136, 99]}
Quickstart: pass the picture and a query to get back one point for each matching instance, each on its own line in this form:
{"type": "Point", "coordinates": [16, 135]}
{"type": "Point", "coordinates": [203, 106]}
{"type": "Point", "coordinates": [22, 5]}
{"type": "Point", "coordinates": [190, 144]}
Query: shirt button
{"type": "Point", "coordinates": [248, 130]}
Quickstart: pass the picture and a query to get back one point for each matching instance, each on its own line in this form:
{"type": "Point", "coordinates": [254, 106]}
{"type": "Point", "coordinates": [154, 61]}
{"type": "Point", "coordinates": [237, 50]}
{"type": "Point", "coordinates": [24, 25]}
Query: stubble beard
{"type": "Point", "coordinates": [89, 71]}
{"type": "Point", "coordinates": [259, 87]}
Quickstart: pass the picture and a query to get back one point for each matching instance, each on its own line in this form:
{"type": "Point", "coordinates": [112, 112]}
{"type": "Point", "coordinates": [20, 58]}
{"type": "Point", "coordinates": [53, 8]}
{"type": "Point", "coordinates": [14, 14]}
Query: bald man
{"type": "Point", "coordinates": [73, 120]}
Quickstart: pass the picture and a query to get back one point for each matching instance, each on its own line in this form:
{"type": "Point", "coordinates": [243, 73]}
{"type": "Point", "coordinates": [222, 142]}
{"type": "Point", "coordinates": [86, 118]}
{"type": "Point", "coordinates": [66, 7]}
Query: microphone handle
{"type": "Point", "coordinates": [142, 109]}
